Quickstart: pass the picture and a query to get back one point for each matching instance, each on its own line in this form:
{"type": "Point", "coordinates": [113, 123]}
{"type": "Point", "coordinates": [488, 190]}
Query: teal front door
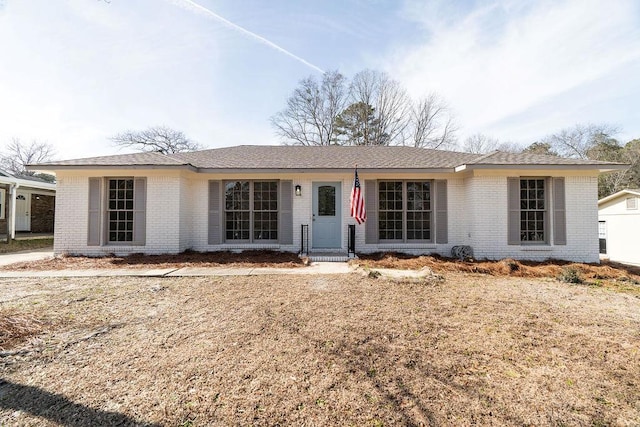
{"type": "Point", "coordinates": [327, 215]}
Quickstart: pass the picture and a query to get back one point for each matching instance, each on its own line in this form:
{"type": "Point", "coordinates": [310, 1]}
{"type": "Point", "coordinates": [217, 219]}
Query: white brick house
{"type": "Point", "coordinates": [289, 198]}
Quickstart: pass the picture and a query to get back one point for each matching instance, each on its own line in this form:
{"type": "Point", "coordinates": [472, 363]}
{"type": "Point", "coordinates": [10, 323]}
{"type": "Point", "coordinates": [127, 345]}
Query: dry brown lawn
{"type": "Point", "coordinates": [319, 350]}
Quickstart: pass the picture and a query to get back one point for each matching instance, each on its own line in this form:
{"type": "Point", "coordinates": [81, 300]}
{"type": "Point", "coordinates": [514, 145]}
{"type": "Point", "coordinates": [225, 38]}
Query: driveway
{"type": "Point", "coordinates": [26, 256]}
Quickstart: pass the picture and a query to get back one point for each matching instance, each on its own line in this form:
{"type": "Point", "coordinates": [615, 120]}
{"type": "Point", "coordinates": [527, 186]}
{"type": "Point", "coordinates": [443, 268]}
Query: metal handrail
{"type": "Point", "coordinates": [304, 239]}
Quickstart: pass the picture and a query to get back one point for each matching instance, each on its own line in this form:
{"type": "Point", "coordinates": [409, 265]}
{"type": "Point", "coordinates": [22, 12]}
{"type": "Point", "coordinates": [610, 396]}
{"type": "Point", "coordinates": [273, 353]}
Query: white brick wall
{"type": "Point", "coordinates": [177, 216]}
{"type": "Point", "coordinates": [71, 219]}
{"type": "Point", "coordinates": [487, 206]}
{"type": "Point", "coordinates": [162, 216]}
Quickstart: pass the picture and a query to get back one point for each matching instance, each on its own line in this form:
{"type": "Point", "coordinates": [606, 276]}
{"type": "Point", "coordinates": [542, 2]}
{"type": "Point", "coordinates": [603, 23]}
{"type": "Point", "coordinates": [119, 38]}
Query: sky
{"type": "Point", "coordinates": [73, 73]}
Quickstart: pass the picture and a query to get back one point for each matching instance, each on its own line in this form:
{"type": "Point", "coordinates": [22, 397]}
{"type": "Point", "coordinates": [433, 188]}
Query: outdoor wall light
{"type": "Point", "coordinates": [298, 190]}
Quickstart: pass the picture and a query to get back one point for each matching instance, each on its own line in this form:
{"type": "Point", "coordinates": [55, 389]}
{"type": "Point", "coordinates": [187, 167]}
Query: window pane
{"type": "Point", "coordinates": [237, 225]}
{"type": "Point", "coordinates": [265, 225]}
{"type": "Point", "coordinates": [390, 210]}
{"type": "Point", "coordinates": [326, 200]}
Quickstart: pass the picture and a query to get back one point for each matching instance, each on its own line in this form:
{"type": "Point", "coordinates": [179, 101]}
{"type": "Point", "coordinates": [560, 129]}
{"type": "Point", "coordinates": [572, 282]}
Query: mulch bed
{"type": "Point", "coordinates": [252, 258]}
{"type": "Point", "coordinates": [505, 267]}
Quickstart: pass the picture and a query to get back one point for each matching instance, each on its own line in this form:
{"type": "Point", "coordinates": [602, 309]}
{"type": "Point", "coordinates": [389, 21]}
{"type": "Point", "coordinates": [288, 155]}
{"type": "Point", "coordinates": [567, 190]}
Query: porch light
{"type": "Point", "coordinates": [298, 190]}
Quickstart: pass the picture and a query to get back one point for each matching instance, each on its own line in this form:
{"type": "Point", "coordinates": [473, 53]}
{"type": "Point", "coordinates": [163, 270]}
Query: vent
{"type": "Point", "coordinates": [632, 203]}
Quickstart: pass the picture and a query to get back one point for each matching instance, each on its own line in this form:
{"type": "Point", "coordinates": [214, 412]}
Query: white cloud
{"type": "Point", "coordinates": [503, 58]}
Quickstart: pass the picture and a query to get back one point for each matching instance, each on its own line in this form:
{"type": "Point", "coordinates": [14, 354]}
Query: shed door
{"type": "Point", "coordinates": [327, 215]}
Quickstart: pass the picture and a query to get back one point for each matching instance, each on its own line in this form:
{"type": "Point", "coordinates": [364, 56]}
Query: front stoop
{"type": "Point", "coordinates": [330, 257]}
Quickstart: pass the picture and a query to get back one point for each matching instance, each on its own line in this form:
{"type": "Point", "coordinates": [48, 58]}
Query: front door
{"type": "Point", "coordinates": [23, 212]}
{"type": "Point", "coordinates": [327, 215]}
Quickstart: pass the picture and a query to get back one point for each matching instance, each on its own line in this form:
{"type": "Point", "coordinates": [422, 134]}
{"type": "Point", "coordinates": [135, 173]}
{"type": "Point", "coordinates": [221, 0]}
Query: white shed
{"type": "Point", "coordinates": [619, 226]}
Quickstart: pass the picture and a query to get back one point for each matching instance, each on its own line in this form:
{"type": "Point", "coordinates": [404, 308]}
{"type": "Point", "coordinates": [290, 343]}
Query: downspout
{"type": "Point", "coordinates": [14, 193]}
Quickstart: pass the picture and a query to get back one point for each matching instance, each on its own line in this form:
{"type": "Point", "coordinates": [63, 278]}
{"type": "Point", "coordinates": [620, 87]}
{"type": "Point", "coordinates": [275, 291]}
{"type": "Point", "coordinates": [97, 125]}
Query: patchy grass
{"type": "Point", "coordinates": [16, 328]}
{"type": "Point", "coordinates": [322, 350]}
{"type": "Point", "coordinates": [25, 245]}
{"type": "Point", "coordinates": [252, 258]}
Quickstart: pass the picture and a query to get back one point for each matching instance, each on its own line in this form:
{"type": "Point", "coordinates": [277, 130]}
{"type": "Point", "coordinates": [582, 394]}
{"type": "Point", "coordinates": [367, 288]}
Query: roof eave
{"type": "Point", "coordinates": [599, 167]}
{"type": "Point", "coordinates": [616, 195]}
{"type": "Point", "coordinates": [57, 167]}
{"type": "Point", "coordinates": [28, 183]}
{"type": "Point", "coordinates": [325, 170]}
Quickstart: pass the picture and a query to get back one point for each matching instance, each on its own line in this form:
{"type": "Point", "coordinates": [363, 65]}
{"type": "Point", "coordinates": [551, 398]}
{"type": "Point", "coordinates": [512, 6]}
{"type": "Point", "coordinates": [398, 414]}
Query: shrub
{"type": "Point", "coordinates": [570, 275]}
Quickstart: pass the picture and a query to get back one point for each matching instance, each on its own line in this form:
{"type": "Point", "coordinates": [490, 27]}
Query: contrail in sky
{"type": "Point", "coordinates": [188, 4]}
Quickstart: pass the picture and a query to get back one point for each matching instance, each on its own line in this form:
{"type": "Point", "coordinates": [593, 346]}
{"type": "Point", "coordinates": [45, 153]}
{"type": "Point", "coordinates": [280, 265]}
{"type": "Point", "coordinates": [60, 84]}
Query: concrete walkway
{"type": "Point", "coordinates": [33, 256]}
{"type": "Point", "coordinates": [314, 268]}
{"type": "Point", "coordinates": [25, 256]}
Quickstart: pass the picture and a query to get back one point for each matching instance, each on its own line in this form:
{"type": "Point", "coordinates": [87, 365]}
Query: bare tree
{"type": "Point", "coordinates": [390, 102]}
{"type": "Point", "coordinates": [431, 124]}
{"type": "Point", "coordinates": [373, 110]}
{"type": "Point", "coordinates": [310, 115]}
{"type": "Point", "coordinates": [17, 155]}
{"type": "Point", "coordinates": [480, 143]}
{"type": "Point", "coordinates": [157, 138]}
{"type": "Point", "coordinates": [578, 140]}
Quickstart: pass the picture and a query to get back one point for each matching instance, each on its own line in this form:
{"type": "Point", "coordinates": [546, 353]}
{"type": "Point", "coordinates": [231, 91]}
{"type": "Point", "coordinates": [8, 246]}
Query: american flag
{"type": "Point", "coordinates": [357, 201]}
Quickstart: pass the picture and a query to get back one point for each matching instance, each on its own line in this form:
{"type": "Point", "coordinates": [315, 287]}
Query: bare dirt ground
{"type": "Point", "coordinates": [318, 350]}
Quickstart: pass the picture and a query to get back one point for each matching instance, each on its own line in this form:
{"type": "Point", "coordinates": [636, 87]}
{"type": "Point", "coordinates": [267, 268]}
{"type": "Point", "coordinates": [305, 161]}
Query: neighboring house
{"type": "Point", "coordinates": [288, 198]}
{"type": "Point", "coordinates": [27, 204]}
{"type": "Point", "coordinates": [619, 226]}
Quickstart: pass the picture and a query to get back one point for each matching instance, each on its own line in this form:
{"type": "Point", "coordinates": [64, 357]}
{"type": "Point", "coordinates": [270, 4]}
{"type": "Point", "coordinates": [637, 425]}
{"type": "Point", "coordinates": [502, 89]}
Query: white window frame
{"type": "Point", "coordinates": [118, 211]}
{"type": "Point", "coordinates": [405, 211]}
{"type": "Point", "coordinates": [252, 211]}
{"type": "Point", "coordinates": [546, 211]}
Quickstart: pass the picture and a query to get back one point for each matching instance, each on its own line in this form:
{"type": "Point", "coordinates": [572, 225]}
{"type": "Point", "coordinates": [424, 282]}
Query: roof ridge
{"type": "Point", "coordinates": [483, 156]}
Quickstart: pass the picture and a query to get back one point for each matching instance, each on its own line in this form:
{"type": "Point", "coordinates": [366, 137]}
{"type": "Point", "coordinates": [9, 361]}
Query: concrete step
{"type": "Point", "coordinates": [329, 257]}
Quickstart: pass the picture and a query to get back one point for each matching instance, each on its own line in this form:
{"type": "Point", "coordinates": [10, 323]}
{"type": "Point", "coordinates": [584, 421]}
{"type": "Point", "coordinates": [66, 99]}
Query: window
{"type": "Point", "coordinates": [404, 209]}
{"type": "Point", "coordinates": [116, 213]}
{"type": "Point", "coordinates": [251, 210]}
{"type": "Point", "coordinates": [265, 207]}
{"type": "Point", "coordinates": [602, 236]}
{"type": "Point", "coordinates": [327, 200]}
{"type": "Point", "coordinates": [537, 212]}
{"type": "Point", "coordinates": [632, 203]}
{"type": "Point", "coordinates": [532, 210]}
{"type": "Point", "coordinates": [3, 205]}
{"type": "Point", "coordinates": [120, 210]}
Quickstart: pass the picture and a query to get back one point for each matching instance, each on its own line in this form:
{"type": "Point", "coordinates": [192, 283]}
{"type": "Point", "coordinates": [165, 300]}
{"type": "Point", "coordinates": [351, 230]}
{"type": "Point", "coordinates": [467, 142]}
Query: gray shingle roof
{"type": "Point", "coordinates": [504, 158]}
{"type": "Point", "coordinates": [323, 157]}
{"type": "Point", "coordinates": [282, 157]}
{"type": "Point", "coordinates": [135, 159]}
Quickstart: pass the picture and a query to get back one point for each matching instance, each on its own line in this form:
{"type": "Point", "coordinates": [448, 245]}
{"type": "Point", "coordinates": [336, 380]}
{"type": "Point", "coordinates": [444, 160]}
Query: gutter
{"type": "Point", "coordinates": [26, 183]}
{"type": "Point", "coordinates": [599, 167]}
